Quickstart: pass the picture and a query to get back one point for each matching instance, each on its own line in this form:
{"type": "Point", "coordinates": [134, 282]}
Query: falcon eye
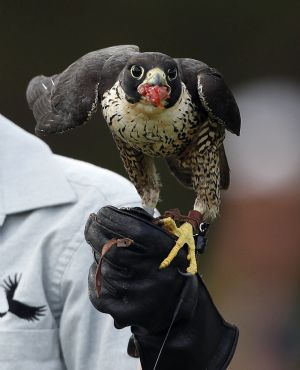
{"type": "Point", "coordinates": [172, 74]}
{"type": "Point", "coordinates": [137, 72]}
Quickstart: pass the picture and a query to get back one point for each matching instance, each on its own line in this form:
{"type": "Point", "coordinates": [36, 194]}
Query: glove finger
{"type": "Point", "coordinates": [139, 228]}
{"type": "Point", "coordinates": [106, 298]}
{"type": "Point", "coordinates": [111, 300]}
{"type": "Point", "coordinates": [94, 234]}
{"type": "Point", "coordinates": [97, 235]}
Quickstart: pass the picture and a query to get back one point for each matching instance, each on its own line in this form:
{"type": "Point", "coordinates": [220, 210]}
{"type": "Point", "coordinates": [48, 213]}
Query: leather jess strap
{"type": "Point", "coordinates": [194, 217]}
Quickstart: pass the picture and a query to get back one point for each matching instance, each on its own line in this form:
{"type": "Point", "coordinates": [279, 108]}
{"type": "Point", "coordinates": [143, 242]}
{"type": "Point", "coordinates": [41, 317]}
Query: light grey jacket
{"type": "Point", "coordinates": [46, 319]}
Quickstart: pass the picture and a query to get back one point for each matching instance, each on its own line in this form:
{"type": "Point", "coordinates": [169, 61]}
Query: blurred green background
{"type": "Point", "coordinates": [245, 40]}
{"type": "Point", "coordinates": [252, 270]}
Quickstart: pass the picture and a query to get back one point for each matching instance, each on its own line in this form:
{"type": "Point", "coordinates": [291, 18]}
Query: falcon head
{"type": "Point", "coordinates": [151, 79]}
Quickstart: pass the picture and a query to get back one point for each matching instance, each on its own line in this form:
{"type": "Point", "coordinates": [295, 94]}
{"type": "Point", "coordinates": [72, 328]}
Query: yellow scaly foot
{"type": "Point", "coordinates": [185, 236]}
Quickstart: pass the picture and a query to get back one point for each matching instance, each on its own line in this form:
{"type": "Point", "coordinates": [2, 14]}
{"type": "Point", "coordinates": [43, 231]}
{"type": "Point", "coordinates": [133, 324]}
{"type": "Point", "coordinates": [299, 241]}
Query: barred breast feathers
{"type": "Point", "coordinates": [158, 134]}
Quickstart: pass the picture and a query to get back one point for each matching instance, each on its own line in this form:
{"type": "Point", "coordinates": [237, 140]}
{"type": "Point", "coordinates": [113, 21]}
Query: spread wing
{"type": "Point", "coordinates": [10, 285]}
{"type": "Point", "coordinates": [20, 309]}
{"type": "Point", "coordinates": [26, 312]}
{"type": "Point", "coordinates": [66, 100]}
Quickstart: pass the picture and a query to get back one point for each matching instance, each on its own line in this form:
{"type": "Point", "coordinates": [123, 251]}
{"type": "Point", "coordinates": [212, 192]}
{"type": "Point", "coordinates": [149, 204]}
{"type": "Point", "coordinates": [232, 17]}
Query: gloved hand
{"type": "Point", "coordinates": [126, 282]}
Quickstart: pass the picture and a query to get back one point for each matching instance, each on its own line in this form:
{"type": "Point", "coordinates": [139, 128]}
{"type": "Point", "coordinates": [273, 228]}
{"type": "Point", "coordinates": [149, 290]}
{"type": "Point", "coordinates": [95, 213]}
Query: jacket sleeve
{"type": "Point", "coordinates": [88, 338]}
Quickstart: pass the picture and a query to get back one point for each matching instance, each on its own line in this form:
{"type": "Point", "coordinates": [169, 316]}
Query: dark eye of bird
{"type": "Point", "coordinates": [172, 73]}
{"type": "Point", "coordinates": [137, 72]}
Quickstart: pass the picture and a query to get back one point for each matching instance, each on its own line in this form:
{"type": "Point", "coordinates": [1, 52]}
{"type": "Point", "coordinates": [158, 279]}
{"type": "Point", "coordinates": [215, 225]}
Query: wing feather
{"type": "Point", "coordinates": [69, 99]}
{"type": "Point", "coordinates": [10, 285]}
{"type": "Point", "coordinates": [210, 92]}
{"type": "Point", "coordinates": [218, 100]}
{"type": "Point", "coordinates": [224, 169]}
{"type": "Point", "coordinates": [215, 101]}
{"type": "Point", "coordinates": [26, 312]}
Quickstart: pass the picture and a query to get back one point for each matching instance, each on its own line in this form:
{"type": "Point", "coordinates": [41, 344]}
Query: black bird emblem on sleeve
{"type": "Point", "coordinates": [22, 310]}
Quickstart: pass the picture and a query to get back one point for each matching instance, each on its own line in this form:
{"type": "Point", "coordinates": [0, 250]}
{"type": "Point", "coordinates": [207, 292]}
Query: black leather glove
{"type": "Point", "coordinates": [126, 282]}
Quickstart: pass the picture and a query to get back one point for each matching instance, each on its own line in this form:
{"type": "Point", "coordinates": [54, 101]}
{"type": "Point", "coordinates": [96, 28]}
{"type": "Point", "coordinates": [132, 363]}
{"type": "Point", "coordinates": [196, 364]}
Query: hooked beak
{"type": "Point", "coordinates": [156, 77]}
{"type": "Point", "coordinates": [155, 88]}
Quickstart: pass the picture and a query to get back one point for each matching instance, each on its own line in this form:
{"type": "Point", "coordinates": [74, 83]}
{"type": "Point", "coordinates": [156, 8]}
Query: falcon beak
{"type": "Point", "coordinates": [156, 77]}
{"type": "Point", "coordinates": [155, 89]}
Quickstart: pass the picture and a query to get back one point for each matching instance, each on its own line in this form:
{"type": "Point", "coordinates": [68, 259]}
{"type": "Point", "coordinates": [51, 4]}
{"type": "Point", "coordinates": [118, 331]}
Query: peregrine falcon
{"type": "Point", "coordinates": [155, 106]}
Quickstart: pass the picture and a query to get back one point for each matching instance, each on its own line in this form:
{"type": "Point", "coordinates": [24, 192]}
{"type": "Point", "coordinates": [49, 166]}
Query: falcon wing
{"type": "Point", "coordinates": [224, 169]}
{"type": "Point", "coordinates": [210, 93]}
{"type": "Point", "coordinates": [215, 101]}
{"type": "Point", "coordinates": [69, 99]}
{"type": "Point", "coordinates": [218, 100]}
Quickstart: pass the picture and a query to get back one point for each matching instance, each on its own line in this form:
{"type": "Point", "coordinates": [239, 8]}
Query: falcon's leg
{"type": "Point", "coordinates": [205, 165]}
{"type": "Point", "coordinates": [142, 173]}
{"type": "Point", "coordinates": [206, 181]}
{"type": "Point", "coordinates": [185, 236]}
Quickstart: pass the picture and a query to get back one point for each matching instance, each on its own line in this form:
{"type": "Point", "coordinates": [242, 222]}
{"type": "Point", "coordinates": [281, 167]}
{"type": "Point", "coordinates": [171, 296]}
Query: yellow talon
{"type": "Point", "coordinates": [185, 236]}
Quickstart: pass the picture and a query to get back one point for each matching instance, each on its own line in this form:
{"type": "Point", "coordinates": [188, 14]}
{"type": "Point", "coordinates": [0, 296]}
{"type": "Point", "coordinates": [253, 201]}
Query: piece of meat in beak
{"type": "Point", "coordinates": [155, 88]}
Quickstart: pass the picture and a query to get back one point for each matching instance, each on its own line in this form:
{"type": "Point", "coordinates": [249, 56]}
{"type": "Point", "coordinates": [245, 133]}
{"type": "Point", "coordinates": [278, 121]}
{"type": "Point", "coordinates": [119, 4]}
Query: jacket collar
{"type": "Point", "coordinates": [30, 177]}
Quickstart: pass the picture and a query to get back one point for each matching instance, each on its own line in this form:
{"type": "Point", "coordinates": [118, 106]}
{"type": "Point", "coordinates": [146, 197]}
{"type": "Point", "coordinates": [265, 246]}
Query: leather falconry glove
{"type": "Point", "coordinates": [172, 316]}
